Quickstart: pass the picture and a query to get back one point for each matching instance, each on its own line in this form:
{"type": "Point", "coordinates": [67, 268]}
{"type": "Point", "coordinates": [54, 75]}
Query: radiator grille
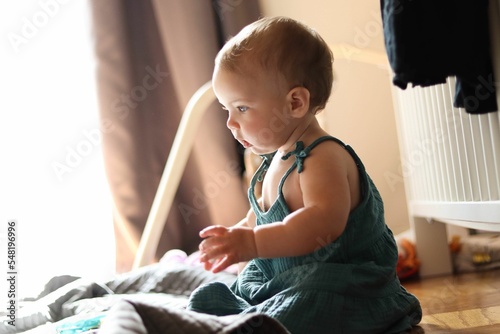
{"type": "Point", "coordinates": [448, 155]}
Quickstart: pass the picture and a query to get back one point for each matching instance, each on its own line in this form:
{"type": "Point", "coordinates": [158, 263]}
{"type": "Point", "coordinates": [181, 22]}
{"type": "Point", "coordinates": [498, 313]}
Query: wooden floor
{"type": "Point", "coordinates": [462, 303]}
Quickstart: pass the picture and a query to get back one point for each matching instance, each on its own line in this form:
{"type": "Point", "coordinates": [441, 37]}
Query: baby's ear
{"type": "Point", "coordinates": [298, 98]}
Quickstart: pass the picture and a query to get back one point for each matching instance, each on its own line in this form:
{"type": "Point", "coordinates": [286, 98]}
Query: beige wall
{"type": "Point", "coordinates": [360, 110]}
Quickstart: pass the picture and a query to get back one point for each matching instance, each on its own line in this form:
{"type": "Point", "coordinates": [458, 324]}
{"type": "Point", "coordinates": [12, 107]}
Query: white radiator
{"type": "Point", "coordinates": [450, 159]}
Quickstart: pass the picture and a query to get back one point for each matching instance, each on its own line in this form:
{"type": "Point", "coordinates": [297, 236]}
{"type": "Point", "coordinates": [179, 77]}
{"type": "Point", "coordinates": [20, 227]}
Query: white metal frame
{"type": "Point", "coordinates": [174, 168]}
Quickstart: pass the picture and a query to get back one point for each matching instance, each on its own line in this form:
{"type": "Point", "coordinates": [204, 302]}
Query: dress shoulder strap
{"type": "Point", "coordinates": [302, 152]}
{"type": "Point", "coordinates": [258, 177]}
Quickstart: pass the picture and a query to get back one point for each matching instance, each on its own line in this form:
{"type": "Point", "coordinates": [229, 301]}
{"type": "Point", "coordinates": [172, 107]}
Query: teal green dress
{"type": "Point", "coordinates": [348, 285]}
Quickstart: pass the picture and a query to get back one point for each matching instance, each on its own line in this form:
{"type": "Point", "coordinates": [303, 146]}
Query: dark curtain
{"type": "Point", "coordinates": [151, 57]}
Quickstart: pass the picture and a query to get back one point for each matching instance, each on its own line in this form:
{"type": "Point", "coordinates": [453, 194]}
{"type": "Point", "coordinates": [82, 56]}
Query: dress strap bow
{"type": "Point", "coordinates": [300, 154]}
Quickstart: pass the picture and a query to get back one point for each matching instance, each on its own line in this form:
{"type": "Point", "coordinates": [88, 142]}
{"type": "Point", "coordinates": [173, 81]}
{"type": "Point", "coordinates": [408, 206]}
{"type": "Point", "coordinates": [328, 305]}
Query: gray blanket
{"type": "Point", "coordinates": [153, 298]}
{"type": "Point", "coordinates": [138, 318]}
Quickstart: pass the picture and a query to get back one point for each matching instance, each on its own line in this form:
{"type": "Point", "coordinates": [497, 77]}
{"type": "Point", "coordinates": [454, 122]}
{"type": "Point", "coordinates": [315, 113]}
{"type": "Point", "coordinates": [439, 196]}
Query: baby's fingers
{"type": "Point", "coordinates": [207, 265]}
{"type": "Point", "coordinates": [221, 264]}
{"type": "Point", "coordinates": [208, 261]}
{"type": "Point", "coordinates": [209, 243]}
{"type": "Point", "coordinates": [213, 231]}
{"type": "Point", "coordinates": [211, 253]}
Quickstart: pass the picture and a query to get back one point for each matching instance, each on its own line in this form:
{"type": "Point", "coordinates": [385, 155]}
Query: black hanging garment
{"type": "Point", "coordinates": [428, 40]}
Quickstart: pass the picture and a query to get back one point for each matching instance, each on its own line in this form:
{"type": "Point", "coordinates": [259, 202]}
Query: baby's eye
{"type": "Point", "coordinates": [242, 108]}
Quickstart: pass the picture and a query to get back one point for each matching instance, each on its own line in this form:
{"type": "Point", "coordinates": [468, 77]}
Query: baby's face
{"type": "Point", "coordinates": [258, 112]}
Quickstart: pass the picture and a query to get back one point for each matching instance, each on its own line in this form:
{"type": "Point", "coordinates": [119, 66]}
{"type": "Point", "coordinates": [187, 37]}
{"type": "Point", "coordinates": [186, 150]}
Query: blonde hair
{"type": "Point", "coordinates": [283, 46]}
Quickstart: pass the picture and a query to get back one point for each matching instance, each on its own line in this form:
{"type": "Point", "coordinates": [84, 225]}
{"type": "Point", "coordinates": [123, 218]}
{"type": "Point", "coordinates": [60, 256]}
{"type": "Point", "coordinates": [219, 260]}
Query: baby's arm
{"type": "Point", "coordinates": [326, 195]}
{"type": "Point", "coordinates": [251, 221]}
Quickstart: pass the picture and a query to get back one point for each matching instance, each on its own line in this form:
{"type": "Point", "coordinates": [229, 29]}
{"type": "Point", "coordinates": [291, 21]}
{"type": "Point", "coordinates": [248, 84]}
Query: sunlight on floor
{"type": "Point", "coordinates": [464, 319]}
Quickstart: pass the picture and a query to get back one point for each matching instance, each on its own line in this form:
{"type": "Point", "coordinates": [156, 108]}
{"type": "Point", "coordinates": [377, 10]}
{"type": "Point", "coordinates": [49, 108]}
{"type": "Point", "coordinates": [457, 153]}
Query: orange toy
{"type": "Point", "coordinates": [408, 263]}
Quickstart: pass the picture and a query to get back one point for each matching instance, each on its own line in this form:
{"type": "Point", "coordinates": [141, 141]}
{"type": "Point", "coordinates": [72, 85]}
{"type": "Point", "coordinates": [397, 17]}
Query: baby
{"type": "Point", "coordinates": [314, 249]}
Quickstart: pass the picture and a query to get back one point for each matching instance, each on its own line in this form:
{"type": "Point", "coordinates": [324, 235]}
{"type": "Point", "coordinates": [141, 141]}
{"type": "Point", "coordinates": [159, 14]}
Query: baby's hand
{"type": "Point", "coordinates": [225, 246]}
